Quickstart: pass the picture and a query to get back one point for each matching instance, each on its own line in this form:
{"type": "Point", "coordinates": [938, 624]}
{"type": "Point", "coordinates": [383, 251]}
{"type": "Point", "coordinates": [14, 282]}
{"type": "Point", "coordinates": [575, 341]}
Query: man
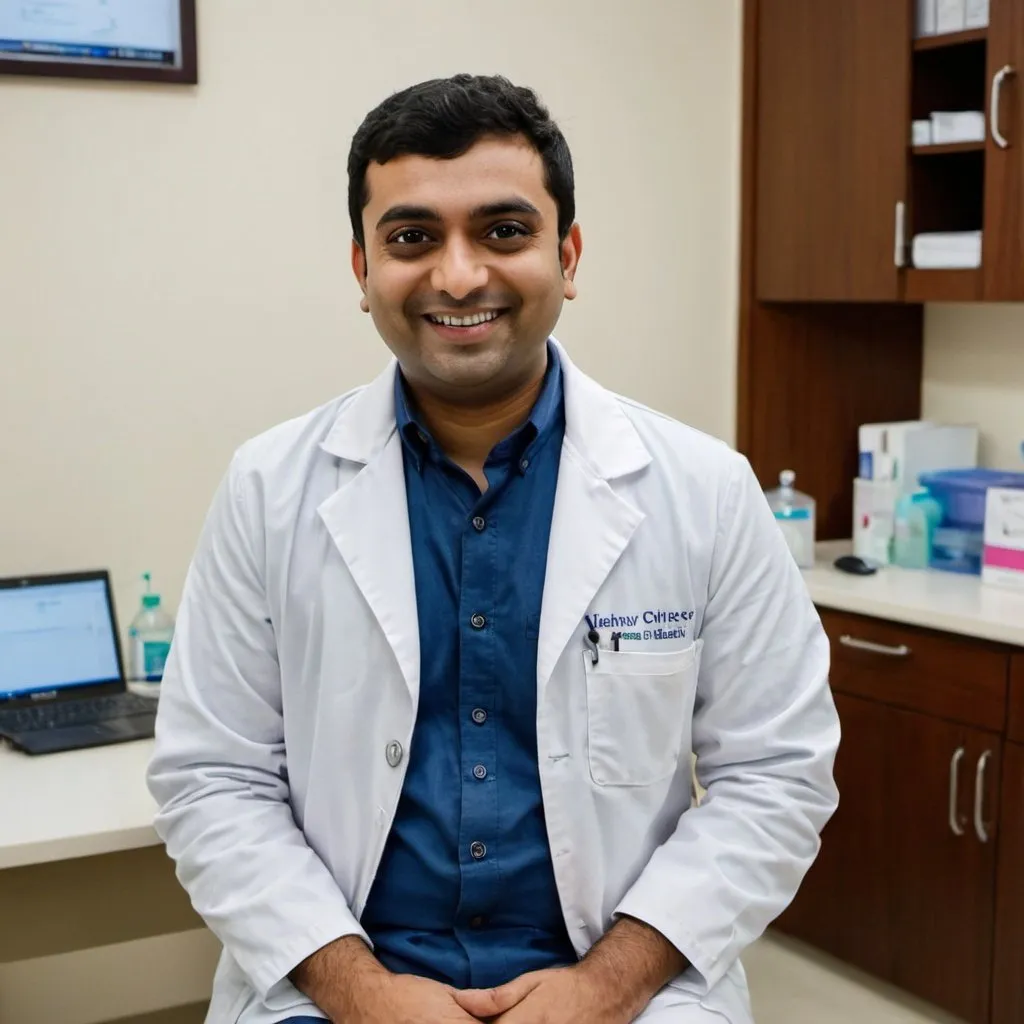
{"type": "Point", "coordinates": [447, 644]}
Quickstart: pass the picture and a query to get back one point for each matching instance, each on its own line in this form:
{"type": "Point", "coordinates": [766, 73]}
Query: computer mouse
{"type": "Point", "coordinates": [855, 565]}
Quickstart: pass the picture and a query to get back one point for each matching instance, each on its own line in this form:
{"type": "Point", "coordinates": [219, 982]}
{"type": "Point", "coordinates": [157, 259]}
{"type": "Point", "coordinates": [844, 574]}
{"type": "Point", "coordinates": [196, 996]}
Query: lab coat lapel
{"type": "Point", "coordinates": [368, 518]}
{"type": "Point", "coordinates": [592, 524]}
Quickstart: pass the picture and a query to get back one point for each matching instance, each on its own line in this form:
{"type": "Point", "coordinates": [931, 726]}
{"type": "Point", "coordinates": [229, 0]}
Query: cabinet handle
{"type": "Point", "coordinates": [979, 796]}
{"type": "Point", "coordinates": [902, 651]}
{"type": "Point", "coordinates": [954, 787]}
{"type": "Point", "coordinates": [993, 108]}
{"type": "Point", "coordinates": [900, 253]}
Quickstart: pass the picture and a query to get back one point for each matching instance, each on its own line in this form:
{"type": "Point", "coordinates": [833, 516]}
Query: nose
{"type": "Point", "coordinates": [459, 270]}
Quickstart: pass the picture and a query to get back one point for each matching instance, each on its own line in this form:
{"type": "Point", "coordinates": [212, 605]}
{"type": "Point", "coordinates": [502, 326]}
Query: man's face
{"type": "Point", "coordinates": [474, 238]}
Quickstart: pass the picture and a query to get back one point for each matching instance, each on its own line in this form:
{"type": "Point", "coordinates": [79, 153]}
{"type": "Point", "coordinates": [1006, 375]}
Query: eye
{"type": "Point", "coordinates": [508, 231]}
{"type": "Point", "coordinates": [409, 236]}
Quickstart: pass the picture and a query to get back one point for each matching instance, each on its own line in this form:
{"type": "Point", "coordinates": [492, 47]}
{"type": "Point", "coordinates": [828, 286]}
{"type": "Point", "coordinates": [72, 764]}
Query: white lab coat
{"type": "Point", "coordinates": [289, 701]}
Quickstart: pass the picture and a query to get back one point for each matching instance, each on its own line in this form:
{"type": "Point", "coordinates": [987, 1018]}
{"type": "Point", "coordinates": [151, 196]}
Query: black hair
{"type": "Point", "coordinates": [443, 118]}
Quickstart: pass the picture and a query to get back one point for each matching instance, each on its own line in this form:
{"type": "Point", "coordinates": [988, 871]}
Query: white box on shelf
{"type": "Point", "coordinates": [951, 250]}
{"type": "Point", "coordinates": [882, 448]}
{"type": "Point", "coordinates": [949, 126]}
{"type": "Point", "coordinates": [874, 518]}
{"type": "Point", "coordinates": [927, 11]}
{"type": "Point", "coordinates": [937, 446]}
{"type": "Point", "coordinates": [976, 14]}
{"type": "Point", "coordinates": [950, 16]}
{"type": "Point", "coordinates": [1002, 558]}
{"type": "Point", "coordinates": [921, 133]}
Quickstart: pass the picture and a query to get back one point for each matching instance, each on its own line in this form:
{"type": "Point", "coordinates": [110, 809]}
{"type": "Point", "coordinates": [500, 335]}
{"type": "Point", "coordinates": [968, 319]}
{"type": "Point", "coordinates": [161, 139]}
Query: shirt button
{"type": "Point", "coordinates": [479, 523]}
{"type": "Point", "coordinates": [423, 437]}
{"type": "Point", "coordinates": [478, 851]}
{"type": "Point", "coordinates": [524, 465]}
{"type": "Point", "coordinates": [393, 752]}
{"type": "Point", "coordinates": [477, 922]}
{"type": "Point", "coordinates": [479, 772]}
{"type": "Point", "coordinates": [479, 716]}
{"type": "Point", "coordinates": [478, 621]}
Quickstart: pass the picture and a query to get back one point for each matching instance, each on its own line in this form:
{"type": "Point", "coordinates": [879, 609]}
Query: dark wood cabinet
{"type": "Point", "coordinates": [1008, 964]}
{"type": "Point", "coordinates": [841, 192]}
{"type": "Point", "coordinates": [1003, 241]}
{"type": "Point", "coordinates": [942, 864]}
{"type": "Point", "coordinates": [905, 884]}
{"type": "Point", "coordinates": [833, 117]}
{"type": "Point", "coordinates": [844, 904]}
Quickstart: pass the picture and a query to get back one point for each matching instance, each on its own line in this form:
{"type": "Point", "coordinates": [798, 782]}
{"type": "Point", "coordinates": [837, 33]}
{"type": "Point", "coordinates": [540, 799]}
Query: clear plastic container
{"type": "Point", "coordinates": [917, 517]}
{"type": "Point", "coordinates": [794, 512]}
{"type": "Point", "coordinates": [955, 549]}
{"type": "Point", "coordinates": [149, 636]}
{"type": "Point", "coordinates": [961, 492]}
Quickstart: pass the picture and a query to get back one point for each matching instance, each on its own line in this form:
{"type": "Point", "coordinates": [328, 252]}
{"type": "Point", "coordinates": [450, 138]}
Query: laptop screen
{"type": "Point", "coordinates": [56, 635]}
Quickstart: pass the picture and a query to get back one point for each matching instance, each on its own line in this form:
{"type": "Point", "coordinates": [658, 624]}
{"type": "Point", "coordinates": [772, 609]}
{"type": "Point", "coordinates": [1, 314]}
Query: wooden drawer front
{"type": "Point", "coordinates": [1016, 725]}
{"type": "Point", "coordinates": [936, 673]}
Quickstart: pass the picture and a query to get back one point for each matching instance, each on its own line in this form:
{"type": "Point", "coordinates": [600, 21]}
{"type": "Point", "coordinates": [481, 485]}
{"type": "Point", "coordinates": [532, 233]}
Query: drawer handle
{"type": "Point", "coordinates": [954, 787]}
{"type": "Point", "coordinates": [902, 651]}
{"type": "Point", "coordinates": [979, 796]}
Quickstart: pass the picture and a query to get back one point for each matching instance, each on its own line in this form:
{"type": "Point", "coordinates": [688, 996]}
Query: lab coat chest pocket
{"type": "Point", "coordinates": [638, 708]}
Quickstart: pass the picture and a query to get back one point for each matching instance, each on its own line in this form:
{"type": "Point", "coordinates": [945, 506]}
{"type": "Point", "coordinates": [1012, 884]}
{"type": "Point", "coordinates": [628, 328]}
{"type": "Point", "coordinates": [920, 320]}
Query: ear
{"type": "Point", "coordinates": [571, 251]}
{"type": "Point", "coordinates": [359, 269]}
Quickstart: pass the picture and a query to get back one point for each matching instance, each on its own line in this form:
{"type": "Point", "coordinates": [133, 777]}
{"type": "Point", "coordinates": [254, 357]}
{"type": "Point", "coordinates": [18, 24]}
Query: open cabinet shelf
{"type": "Point", "coordinates": [949, 148]}
{"type": "Point", "coordinates": [950, 39]}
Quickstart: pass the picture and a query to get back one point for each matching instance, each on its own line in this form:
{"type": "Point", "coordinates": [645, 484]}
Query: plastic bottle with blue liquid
{"type": "Point", "coordinates": [149, 638]}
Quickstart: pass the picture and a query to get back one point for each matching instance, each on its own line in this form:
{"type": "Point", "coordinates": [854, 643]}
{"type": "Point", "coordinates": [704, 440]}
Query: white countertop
{"type": "Point", "coordinates": [919, 597]}
{"type": "Point", "coordinates": [83, 802]}
{"type": "Point", "coordinates": [88, 802]}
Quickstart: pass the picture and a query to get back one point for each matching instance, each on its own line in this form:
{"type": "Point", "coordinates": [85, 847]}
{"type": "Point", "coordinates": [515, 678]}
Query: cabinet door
{"type": "Point", "coordinates": [1008, 975]}
{"type": "Point", "coordinates": [940, 811]}
{"type": "Point", "coordinates": [833, 115]}
{"type": "Point", "coordinates": [843, 904]}
{"type": "Point", "coordinates": [1003, 240]}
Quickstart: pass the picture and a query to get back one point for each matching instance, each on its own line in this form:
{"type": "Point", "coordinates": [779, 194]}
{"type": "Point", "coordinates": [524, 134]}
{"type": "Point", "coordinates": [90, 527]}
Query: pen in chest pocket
{"type": "Point", "coordinates": [592, 643]}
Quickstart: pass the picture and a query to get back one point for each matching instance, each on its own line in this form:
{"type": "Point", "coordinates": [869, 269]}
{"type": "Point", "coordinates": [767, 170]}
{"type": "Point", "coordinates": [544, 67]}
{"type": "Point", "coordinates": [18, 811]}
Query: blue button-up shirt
{"type": "Point", "coordinates": [465, 893]}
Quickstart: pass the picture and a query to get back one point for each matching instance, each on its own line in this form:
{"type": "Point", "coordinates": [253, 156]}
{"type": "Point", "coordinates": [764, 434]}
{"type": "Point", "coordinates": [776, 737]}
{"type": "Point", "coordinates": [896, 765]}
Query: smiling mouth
{"type": "Point", "coordinates": [472, 320]}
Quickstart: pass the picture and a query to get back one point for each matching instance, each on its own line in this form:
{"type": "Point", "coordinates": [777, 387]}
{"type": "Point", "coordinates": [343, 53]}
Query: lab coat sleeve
{"type": "Point", "coordinates": [219, 770]}
{"type": "Point", "coordinates": [765, 732]}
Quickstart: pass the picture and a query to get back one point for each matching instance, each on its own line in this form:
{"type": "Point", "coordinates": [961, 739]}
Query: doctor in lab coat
{"type": "Point", "coordinates": [303, 713]}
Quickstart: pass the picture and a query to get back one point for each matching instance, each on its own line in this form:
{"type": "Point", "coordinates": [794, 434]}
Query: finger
{"type": "Point", "coordinates": [489, 1002]}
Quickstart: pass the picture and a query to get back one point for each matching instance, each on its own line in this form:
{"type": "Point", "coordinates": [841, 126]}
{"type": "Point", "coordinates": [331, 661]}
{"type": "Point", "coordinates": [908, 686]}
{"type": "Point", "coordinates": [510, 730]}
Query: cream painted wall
{"type": "Point", "coordinates": [974, 373]}
{"type": "Point", "coordinates": [174, 269]}
{"type": "Point", "coordinates": [175, 261]}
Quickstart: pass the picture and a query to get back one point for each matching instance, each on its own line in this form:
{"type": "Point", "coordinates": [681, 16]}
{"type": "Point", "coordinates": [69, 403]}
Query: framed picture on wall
{"type": "Point", "coordinates": [140, 40]}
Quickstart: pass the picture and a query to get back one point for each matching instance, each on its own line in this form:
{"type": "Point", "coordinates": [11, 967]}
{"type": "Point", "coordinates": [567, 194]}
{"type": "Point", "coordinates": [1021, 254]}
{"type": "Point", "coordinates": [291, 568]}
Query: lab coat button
{"type": "Point", "coordinates": [479, 772]}
{"type": "Point", "coordinates": [478, 851]}
{"type": "Point", "coordinates": [394, 753]}
{"type": "Point", "coordinates": [479, 523]}
{"type": "Point", "coordinates": [479, 716]}
{"type": "Point", "coordinates": [478, 621]}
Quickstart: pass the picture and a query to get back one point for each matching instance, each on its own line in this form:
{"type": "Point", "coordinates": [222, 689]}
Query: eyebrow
{"type": "Point", "coordinates": [499, 208]}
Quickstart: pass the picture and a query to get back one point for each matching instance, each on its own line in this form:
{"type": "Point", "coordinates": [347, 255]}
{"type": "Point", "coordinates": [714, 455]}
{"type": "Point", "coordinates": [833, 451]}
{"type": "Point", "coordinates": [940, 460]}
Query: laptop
{"type": "Point", "coordinates": [62, 682]}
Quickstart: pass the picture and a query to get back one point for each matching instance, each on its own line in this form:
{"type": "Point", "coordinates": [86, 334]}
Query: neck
{"type": "Point", "coordinates": [466, 434]}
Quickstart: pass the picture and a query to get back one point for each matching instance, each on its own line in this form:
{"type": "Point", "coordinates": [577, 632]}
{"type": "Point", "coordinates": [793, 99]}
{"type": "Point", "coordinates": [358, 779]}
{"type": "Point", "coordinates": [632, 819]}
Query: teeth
{"type": "Point", "coordinates": [465, 321]}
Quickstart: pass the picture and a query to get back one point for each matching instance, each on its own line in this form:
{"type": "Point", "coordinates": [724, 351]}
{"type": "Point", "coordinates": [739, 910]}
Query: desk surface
{"type": "Point", "coordinates": [88, 802]}
{"type": "Point", "coordinates": [76, 804]}
{"type": "Point", "coordinates": [920, 597]}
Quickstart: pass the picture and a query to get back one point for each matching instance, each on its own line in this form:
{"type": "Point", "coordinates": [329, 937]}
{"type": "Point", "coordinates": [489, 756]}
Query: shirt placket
{"type": "Point", "coordinates": [479, 853]}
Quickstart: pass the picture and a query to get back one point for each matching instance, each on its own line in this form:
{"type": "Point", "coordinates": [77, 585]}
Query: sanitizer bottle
{"type": "Point", "coordinates": [149, 637]}
{"type": "Point", "coordinates": [794, 512]}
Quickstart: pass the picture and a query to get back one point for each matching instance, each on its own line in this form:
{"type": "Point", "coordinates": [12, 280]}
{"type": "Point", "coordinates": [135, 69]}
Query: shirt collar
{"type": "Point", "coordinates": [545, 416]}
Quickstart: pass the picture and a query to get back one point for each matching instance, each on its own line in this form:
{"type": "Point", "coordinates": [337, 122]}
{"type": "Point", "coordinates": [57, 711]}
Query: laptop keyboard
{"type": "Point", "coordinates": [60, 714]}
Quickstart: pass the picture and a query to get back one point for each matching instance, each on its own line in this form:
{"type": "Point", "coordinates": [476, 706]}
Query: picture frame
{"type": "Point", "coordinates": [91, 48]}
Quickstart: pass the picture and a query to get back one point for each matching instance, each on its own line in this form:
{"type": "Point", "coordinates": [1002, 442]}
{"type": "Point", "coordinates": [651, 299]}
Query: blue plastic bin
{"type": "Point", "coordinates": [961, 492]}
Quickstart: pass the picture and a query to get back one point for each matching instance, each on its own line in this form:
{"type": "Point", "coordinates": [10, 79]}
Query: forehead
{"type": "Point", "coordinates": [491, 169]}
